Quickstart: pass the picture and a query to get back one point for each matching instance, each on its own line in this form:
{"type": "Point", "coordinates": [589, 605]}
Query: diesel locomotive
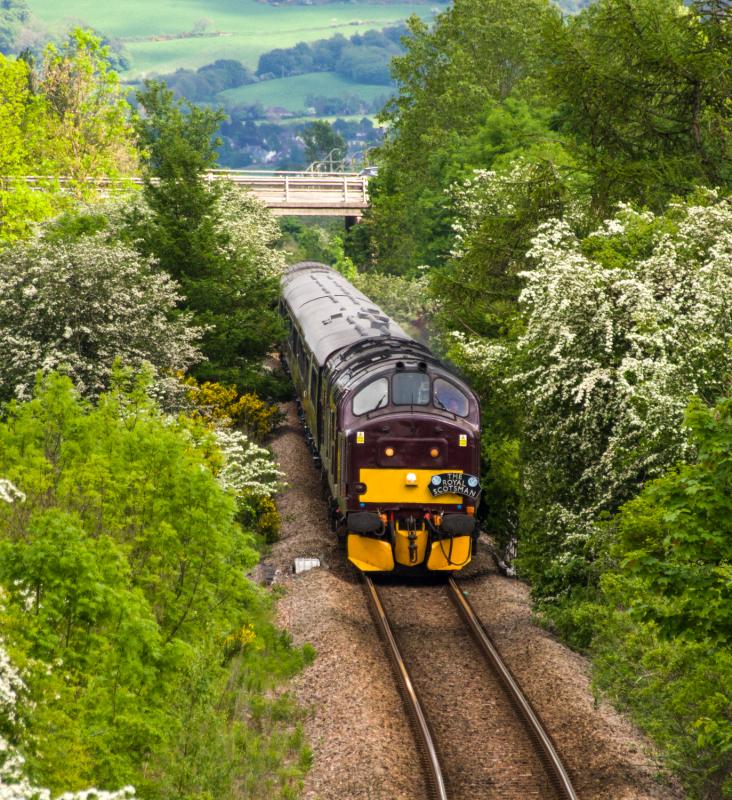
{"type": "Point", "coordinates": [396, 433]}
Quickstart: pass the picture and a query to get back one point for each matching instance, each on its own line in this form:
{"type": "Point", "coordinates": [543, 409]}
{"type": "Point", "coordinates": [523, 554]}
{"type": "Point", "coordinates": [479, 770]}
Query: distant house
{"type": "Point", "coordinates": [278, 112]}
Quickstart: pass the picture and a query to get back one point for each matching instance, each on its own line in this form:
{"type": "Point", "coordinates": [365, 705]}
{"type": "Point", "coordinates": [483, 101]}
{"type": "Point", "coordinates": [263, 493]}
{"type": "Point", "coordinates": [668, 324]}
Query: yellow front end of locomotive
{"type": "Point", "coordinates": [399, 486]}
{"type": "Point", "coordinates": [449, 555]}
{"type": "Point", "coordinates": [411, 548]}
{"type": "Point", "coordinates": [369, 554]}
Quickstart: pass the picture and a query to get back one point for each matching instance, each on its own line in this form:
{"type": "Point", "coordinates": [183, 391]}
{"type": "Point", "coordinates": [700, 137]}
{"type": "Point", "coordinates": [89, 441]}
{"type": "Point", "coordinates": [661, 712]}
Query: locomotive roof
{"type": "Point", "coordinates": [331, 312]}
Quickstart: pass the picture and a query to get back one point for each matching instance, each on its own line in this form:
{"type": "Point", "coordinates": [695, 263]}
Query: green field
{"type": "Point", "coordinates": [251, 27]}
{"type": "Point", "coordinates": [290, 93]}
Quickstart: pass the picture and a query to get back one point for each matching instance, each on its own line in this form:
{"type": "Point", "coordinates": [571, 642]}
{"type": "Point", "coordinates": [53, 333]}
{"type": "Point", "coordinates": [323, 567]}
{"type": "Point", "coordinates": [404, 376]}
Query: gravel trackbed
{"type": "Point", "coordinates": [362, 744]}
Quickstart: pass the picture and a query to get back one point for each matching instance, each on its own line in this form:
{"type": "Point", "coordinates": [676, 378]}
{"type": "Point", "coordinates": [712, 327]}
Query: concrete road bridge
{"type": "Point", "coordinates": [322, 194]}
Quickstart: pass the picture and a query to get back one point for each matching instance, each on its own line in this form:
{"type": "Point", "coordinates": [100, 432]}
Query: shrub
{"type": "Point", "coordinates": [622, 328]}
{"type": "Point", "coordinates": [664, 645]}
{"type": "Point", "coordinates": [222, 406]}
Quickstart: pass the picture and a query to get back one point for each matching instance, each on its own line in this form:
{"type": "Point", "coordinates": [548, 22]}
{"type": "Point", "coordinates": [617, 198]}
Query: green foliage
{"type": "Point", "coordinates": [22, 120]}
{"type": "Point", "coordinates": [215, 242]}
{"type": "Point", "coordinates": [87, 112]}
{"type": "Point", "coordinates": [496, 214]}
{"type": "Point", "coordinates": [407, 300]}
{"type": "Point", "coordinates": [308, 241]}
{"type": "Point", "coordinates": [454, 79]}
{"type": "Point", "coordinates": [13, 14]}
{"type": "Point", "coordinates": [322, 143]}
{"type": "Point", "coordinates": [68, 120]}
{"type": "Point", "coordinates": [642, 89]}
{"type": "Point", "coordinates": [124, 577]}
{"type": "Point", "coordinates": [178, 142]}
{"type": "Point", "coordinates": [363, 59]}
{"type": "Point", "coordinates": [675, 538]}
{"type": "Point", "coordinates": [204, 83]}
{"type": "Point", "coordinates": [664, 643]}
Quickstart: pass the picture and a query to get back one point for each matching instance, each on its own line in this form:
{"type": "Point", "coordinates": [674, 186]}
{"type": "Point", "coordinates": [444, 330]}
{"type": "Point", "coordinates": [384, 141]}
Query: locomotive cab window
{"type": "Point", "coordinates": [411, 389]}
{"type": "Point", "coordinates": [374, 395]}
{"type": "Point", "coordinates": [449, 397]}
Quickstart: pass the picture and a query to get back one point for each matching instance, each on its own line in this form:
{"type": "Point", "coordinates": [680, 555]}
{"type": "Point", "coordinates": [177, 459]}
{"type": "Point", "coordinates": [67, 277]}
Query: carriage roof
{"type": "Point", "coordinates": [332, 313]}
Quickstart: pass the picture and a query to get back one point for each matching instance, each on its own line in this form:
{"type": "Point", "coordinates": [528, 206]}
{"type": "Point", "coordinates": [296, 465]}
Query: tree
{"type": "Point", "coordinates": [622, 327]}
{"type": "Point", "coordinates": [68, 120]}
{"type": "Point", "coordinates": [663, 639]}
{"type": "Point", "coordinates": [23, 122]}
{"type": "Point", "coordinates": [478, 54]}
{"type": "Point", "coordinates": [202, 25]}
{"type": "Point", "coordinates": [126, 607]}
{"type": "Point", "coordinates": [178, 144]}
{"type": "Point", "coordinates": [89, 134]}
{"type": "Point", "coordinates": [216, 242]}
{"type": "Point", "coordinates": [79, 306]}
{"type": "Point", "coordinates": [642, 87]}
{"type": "Point", "coordinates": [322, 143]}
{"type": "Point", "coordinates": [365, 65]}
{"type": "Point", "coordinates": [13, 15]}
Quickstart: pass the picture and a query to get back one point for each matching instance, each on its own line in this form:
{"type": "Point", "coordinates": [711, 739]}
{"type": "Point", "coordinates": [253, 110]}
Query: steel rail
{"type": "Point", "coordinates": [425, 741]}
{"type": "Point", "coordinates": [534, 725]}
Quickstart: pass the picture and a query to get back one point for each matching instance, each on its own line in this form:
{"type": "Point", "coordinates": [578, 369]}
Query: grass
{"type": "Point", "coordinates": [252, 27]}
{"type": "Point", "coordinates": [290, 93]}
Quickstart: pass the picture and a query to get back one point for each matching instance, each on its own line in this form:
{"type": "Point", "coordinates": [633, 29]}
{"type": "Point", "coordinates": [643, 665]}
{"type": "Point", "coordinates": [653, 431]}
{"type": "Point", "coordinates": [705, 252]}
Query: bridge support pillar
{"type": "Point", "coordinates": [351, 221]}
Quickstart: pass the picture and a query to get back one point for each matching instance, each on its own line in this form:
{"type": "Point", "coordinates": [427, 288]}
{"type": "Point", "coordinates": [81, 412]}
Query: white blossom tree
{"type": "Point", "coordinates": [622, 329]}
{"type": "Point", "coordinates": [251, 231]}
{"type": "Point", "coordinates": [78, 306]}
{"type": "Point", "coordinates": [248, 469]}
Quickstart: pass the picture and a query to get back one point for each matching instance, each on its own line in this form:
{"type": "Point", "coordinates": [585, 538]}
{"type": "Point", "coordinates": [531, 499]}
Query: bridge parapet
{"type": "Point", "coordinates": [285, 193]}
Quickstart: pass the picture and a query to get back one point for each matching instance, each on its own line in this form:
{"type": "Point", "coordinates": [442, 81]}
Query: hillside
{"type": "Point", "coordinates": [164, 36]}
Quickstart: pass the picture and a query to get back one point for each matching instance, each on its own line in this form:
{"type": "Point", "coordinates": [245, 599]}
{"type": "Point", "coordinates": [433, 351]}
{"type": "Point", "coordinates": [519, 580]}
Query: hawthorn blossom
{"type": "Point", "coordinates": [248, 468]}
{"type": "Point", "coordinates": [9, 493]}
{"type": "Point", "coordinates": [252, 231]}
{"type": "Point", "coordinates": [622, 328]}
{"type": "Point", "coordinates": [79, 306]}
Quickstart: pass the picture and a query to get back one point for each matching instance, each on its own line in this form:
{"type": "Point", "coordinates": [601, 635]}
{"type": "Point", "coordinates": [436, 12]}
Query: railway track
{"type": "Point", "coordinates": [477, 733]}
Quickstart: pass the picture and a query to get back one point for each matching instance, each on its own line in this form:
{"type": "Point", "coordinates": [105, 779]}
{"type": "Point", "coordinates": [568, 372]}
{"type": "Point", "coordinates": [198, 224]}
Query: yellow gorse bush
{"type": "Point", "coordinates": [222, 405]}
{"type": "Point", "coordinates": [239, 640]}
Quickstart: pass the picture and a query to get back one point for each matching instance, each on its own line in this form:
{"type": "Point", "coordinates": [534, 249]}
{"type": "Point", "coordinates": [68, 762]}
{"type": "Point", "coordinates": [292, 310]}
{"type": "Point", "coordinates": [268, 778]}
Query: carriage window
{"type": "Point", "coordinates": [411, 389]}
{"type": "Point", "coordinates": [371, 397]}
{"type": "Point", "coordinates": [449, 397]}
